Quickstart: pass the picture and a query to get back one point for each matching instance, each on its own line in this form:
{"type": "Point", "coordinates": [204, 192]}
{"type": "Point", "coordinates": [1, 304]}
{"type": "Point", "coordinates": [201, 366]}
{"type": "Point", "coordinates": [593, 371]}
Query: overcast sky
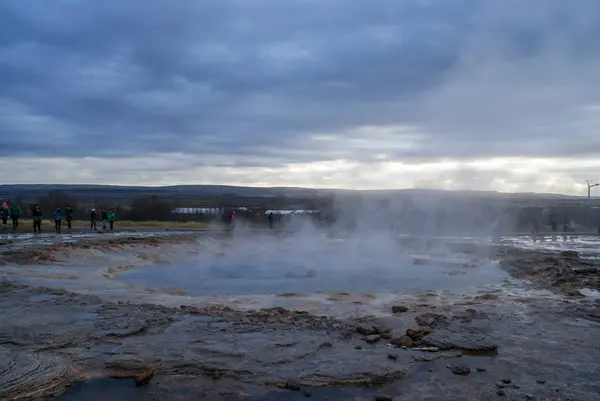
{"type": "Point", "coordinates": [453, 94]}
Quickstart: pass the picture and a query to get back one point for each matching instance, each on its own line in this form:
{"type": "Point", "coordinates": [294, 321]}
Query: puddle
{"type": "Point", "coordinates": [125, 390]}
{"type": "Point", "coordinates": [106, 389]}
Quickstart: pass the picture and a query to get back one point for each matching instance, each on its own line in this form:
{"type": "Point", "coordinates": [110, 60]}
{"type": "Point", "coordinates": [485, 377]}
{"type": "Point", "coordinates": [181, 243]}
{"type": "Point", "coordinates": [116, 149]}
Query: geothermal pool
{"type": "Point", "coordinates": [300, 265]}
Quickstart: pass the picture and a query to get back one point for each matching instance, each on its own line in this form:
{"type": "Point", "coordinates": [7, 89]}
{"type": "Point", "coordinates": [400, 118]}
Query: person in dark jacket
{"type": "Point", "coordinates": [15, 213]}
{"type": "Point", "coordinates": [4, 214]}
{"type": "Point", "coordinates": [36, 212]}
{"type": "Point", "coordinates": [271, 220]}
{"type": "Point", "coordinates": [57, 219]}
{"type": "Point", "coordinates": [104, 217]}
{"type": "Point", "coordinates": [69, 216]}
{"type": "Point", "coordinates": [93, 216]}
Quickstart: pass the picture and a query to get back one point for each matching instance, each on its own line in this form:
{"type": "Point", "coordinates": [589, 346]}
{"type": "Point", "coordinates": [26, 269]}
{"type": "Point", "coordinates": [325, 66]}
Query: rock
{"type": "Point", "coordinates": [365, 330]}
{"type": "Point", "coordinates": [541, 381]}
{"type": "Point", "coordinates": [501, 393]}
{"type": "Point", "coordinates": [431, 320]}
{"type": "Point", "coordinates": [500, 385]}
{"type": "Point", "coordinates": [393, 357]}
{"type": "Point", "coordinates": [143, 378]}
{"type": "Point", "coordinates": [386, 336]}
{"type": "Point", "coordinates": [399, 309]}
{"type": "Point", "coordinates": [585, 270]}
{"type": "Point", "coordinates": [480, 369]}
{"type": "Point", "coordinates": [516, 386]}
{"type": "Point", "coordinates": [292, 385]}
{"type": "Point", "coordinates": [570, 255]}
{"type": "Point", "coordinates": [23, 373]}
{"type": "Point", "coordinates": [357, 347]}
{"type": "Point", "coordinates": [382, 330]}
{"type": "Point", "coordinates": [487, 297]}
{"type": "Point", "coordinates": [460, 369]}
{"type": "Point", "coordinates": [417, 334]}
{"type": "Point", "coordinates": [403, 341]}
{"type": "Point", "coordinates": [306, 393]}
{"type": "Point", "coordinates": [506, 380]}
{"type": "Point", "coordinates": [529, 397]}
{"type": "Point", "coordinates": [383, 397]}
{"type": "Point", "coordinates": [463, 338]}
{"type": "Point", "coordinates": [372, 338]}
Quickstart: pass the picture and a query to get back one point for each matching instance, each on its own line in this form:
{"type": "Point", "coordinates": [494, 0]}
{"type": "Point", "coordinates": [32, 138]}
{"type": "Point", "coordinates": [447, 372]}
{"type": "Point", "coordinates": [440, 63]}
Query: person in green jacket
{"type": "Point", "coordinates": [15, 213]}
{"type": "Point", "coordinates": [111, 218]}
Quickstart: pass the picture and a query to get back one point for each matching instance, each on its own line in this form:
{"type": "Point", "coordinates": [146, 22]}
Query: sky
{"type": "Point", "coordinates": [379, 94]}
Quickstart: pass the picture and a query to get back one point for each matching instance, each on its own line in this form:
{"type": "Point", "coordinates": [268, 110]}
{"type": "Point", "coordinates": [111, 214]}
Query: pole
{"type": "Point", "coordinates": [590, 186]}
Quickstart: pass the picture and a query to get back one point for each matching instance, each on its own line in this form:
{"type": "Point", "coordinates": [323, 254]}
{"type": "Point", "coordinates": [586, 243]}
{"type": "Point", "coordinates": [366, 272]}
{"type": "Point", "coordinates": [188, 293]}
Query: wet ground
{"type": "Point", "coordinates": [264, 317]}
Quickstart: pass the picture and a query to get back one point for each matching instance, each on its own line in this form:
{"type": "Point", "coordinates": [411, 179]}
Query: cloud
{"type": "Point", "coordinates": [234, 87]}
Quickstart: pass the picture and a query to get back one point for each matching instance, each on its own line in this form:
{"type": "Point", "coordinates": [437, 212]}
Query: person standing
{"type": "Point", "coordinates": [104, 218]}
{"type": "Point", "coordinates": [111, 218]}
{"type": "Point", "coordinates": [36, 212]}
{"type": "Point", "coordinates": [4, 214]}
{"type": "Point", "coordinates": [232, 221]}
{"type": "Point", "coordinates": [69, 215]}
{"type": "Point", "coordinates": [93, 216]}
{"type": "Point", "coordinates": [271, 220]}
{"type": "Point", "coordinates": [15, 213]}
{"type": "Point", "coordinates": [57, 219]}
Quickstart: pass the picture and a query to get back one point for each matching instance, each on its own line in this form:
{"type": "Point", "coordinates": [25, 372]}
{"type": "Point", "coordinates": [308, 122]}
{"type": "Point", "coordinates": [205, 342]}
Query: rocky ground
{"type": "Point", "coordinates": [54, 343]}
{"type": "Point", "coordinates": [564, 272]}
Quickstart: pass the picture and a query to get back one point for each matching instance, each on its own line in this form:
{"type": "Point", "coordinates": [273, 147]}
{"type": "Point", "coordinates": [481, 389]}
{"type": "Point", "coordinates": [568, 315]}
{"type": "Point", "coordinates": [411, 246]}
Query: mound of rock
{"type": "Point", "coordinates": [29, 376]}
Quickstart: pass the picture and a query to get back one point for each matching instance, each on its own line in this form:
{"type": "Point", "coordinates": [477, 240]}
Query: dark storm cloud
{"type": "Point", "coordinates": [256, 79]}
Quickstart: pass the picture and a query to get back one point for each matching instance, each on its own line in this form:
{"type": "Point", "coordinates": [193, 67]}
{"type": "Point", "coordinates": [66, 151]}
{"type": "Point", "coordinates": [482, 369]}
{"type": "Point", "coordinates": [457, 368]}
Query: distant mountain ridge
{"type": "Point", "coordinates": [34, 190]}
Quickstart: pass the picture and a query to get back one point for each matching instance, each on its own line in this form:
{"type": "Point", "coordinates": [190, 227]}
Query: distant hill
{"type": "Point", "coordinates": [111, 191]}
{"type": "Point", "coordinates": [32, 191]}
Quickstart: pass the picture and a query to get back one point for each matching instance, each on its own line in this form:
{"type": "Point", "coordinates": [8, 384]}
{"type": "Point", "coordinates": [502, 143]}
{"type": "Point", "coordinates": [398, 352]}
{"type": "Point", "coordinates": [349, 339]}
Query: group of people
{"type": "Point", "coordinates": [58, 216]}
{"type": "Point", "coordinates": [567, 226]}
{"type": "Point", "coordinates": [14, 212]}
{"type": "Point", "coordinates": [106, 217]}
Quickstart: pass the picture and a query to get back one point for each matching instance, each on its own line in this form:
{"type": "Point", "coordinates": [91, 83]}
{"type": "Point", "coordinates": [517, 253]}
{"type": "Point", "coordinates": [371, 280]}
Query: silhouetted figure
{"type": "Point", "coordinates": [104, 217]}
{"type": "Point", "coordinates": [15, 213]}
{"type": "Point", "coordinates": [93, 216]}
{"type": "Point", "coordinates": [4, 214]}
{"type": "Point", "coordinates": [69, 216]}
{"type": "Point", "coordinates": [36, 213]}
{"type": "Point", "coordinates": [271, 220]}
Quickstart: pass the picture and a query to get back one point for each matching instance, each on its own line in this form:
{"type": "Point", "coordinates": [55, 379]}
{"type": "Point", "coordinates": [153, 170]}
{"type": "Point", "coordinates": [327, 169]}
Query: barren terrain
{"type": "Point", "coordinates": [260, 316]}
